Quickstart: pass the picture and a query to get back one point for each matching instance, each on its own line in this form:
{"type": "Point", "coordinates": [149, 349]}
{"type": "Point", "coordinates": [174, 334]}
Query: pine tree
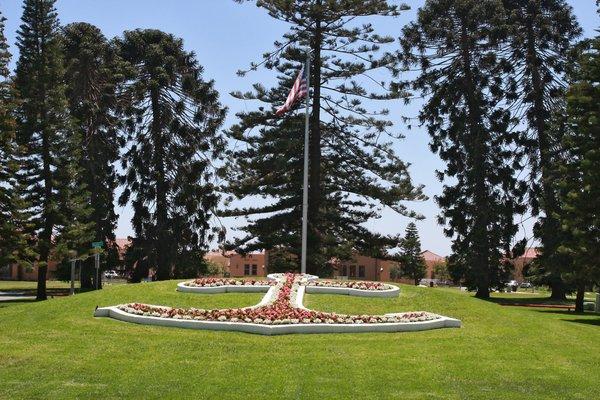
{"type": "Point", "coordinates": [93, 70]}
{"type": "Point", "coordinates": [455, 45]}
{"type": "Point", "coordinates": [353, 170]}
{"type": "Point", "coordinates": [173, 140]}
{"type": "Point", "coordinates": [7, 131]}
{"type": "Point", "coordinates": [8, 230]}
{"type": "Point", "coordinates": [579, 183]}
{"type": "Point", "coordinates": [48, 170]}
{"type": "Point", "coordinates": [15, 242]}
{"type": "Point", "coordinates": [412, 264]}
{"type": "Point", "coordinates": [542, 34]}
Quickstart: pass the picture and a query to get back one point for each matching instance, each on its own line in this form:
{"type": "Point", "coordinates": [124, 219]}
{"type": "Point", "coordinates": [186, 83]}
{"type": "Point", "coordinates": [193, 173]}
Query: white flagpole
{"type": "Point", "coordinates": [305, 187]}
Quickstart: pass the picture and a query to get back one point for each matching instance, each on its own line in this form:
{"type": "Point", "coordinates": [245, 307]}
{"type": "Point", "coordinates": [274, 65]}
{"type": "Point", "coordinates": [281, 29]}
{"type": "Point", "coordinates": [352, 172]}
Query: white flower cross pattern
{"type": "Point", "coordinates": [281, 310]}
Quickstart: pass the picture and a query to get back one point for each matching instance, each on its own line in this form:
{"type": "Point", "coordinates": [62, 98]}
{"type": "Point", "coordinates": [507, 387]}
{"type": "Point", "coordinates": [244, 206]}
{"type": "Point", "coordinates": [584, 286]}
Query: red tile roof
{"type": "Point", "coordinates": [531, 252]}
{"type": "Point", "coordinates": [431, 256]}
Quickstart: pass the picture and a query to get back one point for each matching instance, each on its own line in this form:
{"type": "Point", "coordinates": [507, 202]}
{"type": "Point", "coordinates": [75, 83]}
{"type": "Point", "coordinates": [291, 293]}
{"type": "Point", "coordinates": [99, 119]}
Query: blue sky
{"type": "Point", "coordinates": [226, 37]}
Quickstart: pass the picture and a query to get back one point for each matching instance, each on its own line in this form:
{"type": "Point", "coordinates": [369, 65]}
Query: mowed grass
{"type": "Point", "coordinates": [32, 285]}
{"type": "Point", "coordinates": [57, 350]}
{"type": "Point", "coordinates": [7, 286]}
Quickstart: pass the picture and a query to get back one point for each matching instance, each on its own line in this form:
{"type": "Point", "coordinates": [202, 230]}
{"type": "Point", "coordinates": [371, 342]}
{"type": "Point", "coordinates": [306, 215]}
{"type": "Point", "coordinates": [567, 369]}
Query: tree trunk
{"type": "Point", "coordinates": [559, 291]}
{"type": "Point", "coordinates": [41, 283]}
{"type": "Point", "coordinates": [162, 241]}
{"type": "Point", "coordinates": [44, 247]}
{"type": "Point", "coordinates": [314, 192]}
{"type": "Point", "coordinates": [483, 292]}
{"type": "Point", "coordinates": [45, 239]}
{"type": "Point", "coordinates": [548, 202]}
{"type": "Point", "coordinates": [85, 274]}
{"type": "Point", "coordinates": [580, 297]}
{"type": "Point", "coordinates": [477, 152]}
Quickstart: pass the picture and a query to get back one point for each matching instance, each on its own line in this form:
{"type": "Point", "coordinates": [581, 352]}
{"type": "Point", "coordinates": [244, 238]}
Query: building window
{"type": "Point", "coordinates": [344, 271]}
{"type": "Point", "coordinates": [254, 269]}
{"type": "Point", "coordinates": [246, 269]}
{"type": "Point", "coordinates": [361, 271]}
{"type": "Point", "coordinates": [5, 272]}
{"type": "Point", "coordinates": [352, 269]}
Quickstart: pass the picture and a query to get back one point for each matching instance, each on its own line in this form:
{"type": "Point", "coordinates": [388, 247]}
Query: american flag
{"type": "Point", "coordinates": [299, 91]}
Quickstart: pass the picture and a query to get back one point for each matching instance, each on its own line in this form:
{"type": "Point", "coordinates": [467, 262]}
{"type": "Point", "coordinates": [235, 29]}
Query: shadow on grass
{"type": "Point", "coordinates": [560, 312]}
{"type": "Point", "coordinates": [15, 302]}
{"type": "Point", "coordinates": [50, 292]}
{"type": "Point", "coordinates": [528, 300]}
{"type": "Point", "coordinates": [586, 321]}
{"type": "Point", "coordinates": [595, 322]}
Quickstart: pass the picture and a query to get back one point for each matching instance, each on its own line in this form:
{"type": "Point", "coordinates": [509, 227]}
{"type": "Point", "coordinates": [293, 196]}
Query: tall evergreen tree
{"type": "Point", "coordinates": [412, 263]}
{"type": "Point", "coordinates": [92, 68]}
{"type": "Point", "coordinates": [353, 170]}
{"type": "Point", "coordinates": [455, 44]}
{"type": "Point", "coordinates": [173, 140]}
{"type": "Point", "coordinates": [8, 229]}
{"type": "Point", "coordinates": [579, 182]}
{"type": "Point", "coordinates": [15, 243]}
{"type": "Point", "coordinates": [7, 131]}
{"type": "Point", "coordinates": [541, 36]}
{"type": "Point", "coordinates": [49, 163]}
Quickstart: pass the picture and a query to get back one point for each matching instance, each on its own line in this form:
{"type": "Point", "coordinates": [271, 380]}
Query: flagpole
{"type": "Point", "coordinates": [305, 184]}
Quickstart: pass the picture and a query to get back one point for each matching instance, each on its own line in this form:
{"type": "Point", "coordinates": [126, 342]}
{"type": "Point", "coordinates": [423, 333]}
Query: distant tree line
{"type": "Point", "coordinates": [82, 115]}
{"type": "Point", "coordinates": [509, 101]}
{"type": "Point", "coordinates": [507, 84]}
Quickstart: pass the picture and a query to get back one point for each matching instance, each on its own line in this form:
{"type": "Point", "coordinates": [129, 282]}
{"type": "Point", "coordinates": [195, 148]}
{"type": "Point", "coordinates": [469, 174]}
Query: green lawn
{"type": "Point", "coordinates": [56, 350]}
{"type": "Point", "coordinates": [31, 285]}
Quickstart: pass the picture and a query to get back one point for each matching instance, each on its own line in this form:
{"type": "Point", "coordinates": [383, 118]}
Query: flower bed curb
{"type": "Point", "coordinates": [115, 313]}
{"type": "Point", "coordinates": [181, 287]}
{"type": "Point", "coordinates": [281, 310]}
{"type": "Point", "coordinates": [393, 292]}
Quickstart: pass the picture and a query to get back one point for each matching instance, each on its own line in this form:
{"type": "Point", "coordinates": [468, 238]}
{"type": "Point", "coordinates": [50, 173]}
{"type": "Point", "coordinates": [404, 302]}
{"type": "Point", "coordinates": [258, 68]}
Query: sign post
{"type": "Point", "coordinates": [97, 246]}
{"type": "Point", "coordinates": [97, 263]}
{"type": "Point", "coordinates": [72, 291]}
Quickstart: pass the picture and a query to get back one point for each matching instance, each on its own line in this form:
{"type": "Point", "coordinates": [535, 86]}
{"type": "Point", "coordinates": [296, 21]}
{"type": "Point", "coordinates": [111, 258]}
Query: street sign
{"type": "Point", "coordinates": [97, 245]}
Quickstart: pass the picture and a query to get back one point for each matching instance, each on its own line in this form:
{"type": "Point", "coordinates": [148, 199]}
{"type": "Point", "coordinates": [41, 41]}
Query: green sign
{"type": "Point", "coordinates": [97, 245]}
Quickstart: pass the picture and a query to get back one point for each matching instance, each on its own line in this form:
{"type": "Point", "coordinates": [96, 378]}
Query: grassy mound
{"type": "Point", "coordinates": [56, 350]}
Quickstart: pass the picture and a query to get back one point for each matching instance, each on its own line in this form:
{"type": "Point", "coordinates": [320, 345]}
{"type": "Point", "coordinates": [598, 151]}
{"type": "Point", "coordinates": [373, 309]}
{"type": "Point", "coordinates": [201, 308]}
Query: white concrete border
{"type": "Point", "coordinates": [114, 312]}
{"type": "Point", "coordinates": [182, 287]}
{"type": "Point", "coordinates": [297, 299]}
{"type": "Point", "coordinates": [394, 291]}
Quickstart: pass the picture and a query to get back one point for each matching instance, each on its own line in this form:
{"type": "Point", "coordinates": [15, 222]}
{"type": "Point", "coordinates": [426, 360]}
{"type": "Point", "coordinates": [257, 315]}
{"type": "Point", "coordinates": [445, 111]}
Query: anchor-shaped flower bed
{"type": "Point", "coordinates": [281, 310]}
